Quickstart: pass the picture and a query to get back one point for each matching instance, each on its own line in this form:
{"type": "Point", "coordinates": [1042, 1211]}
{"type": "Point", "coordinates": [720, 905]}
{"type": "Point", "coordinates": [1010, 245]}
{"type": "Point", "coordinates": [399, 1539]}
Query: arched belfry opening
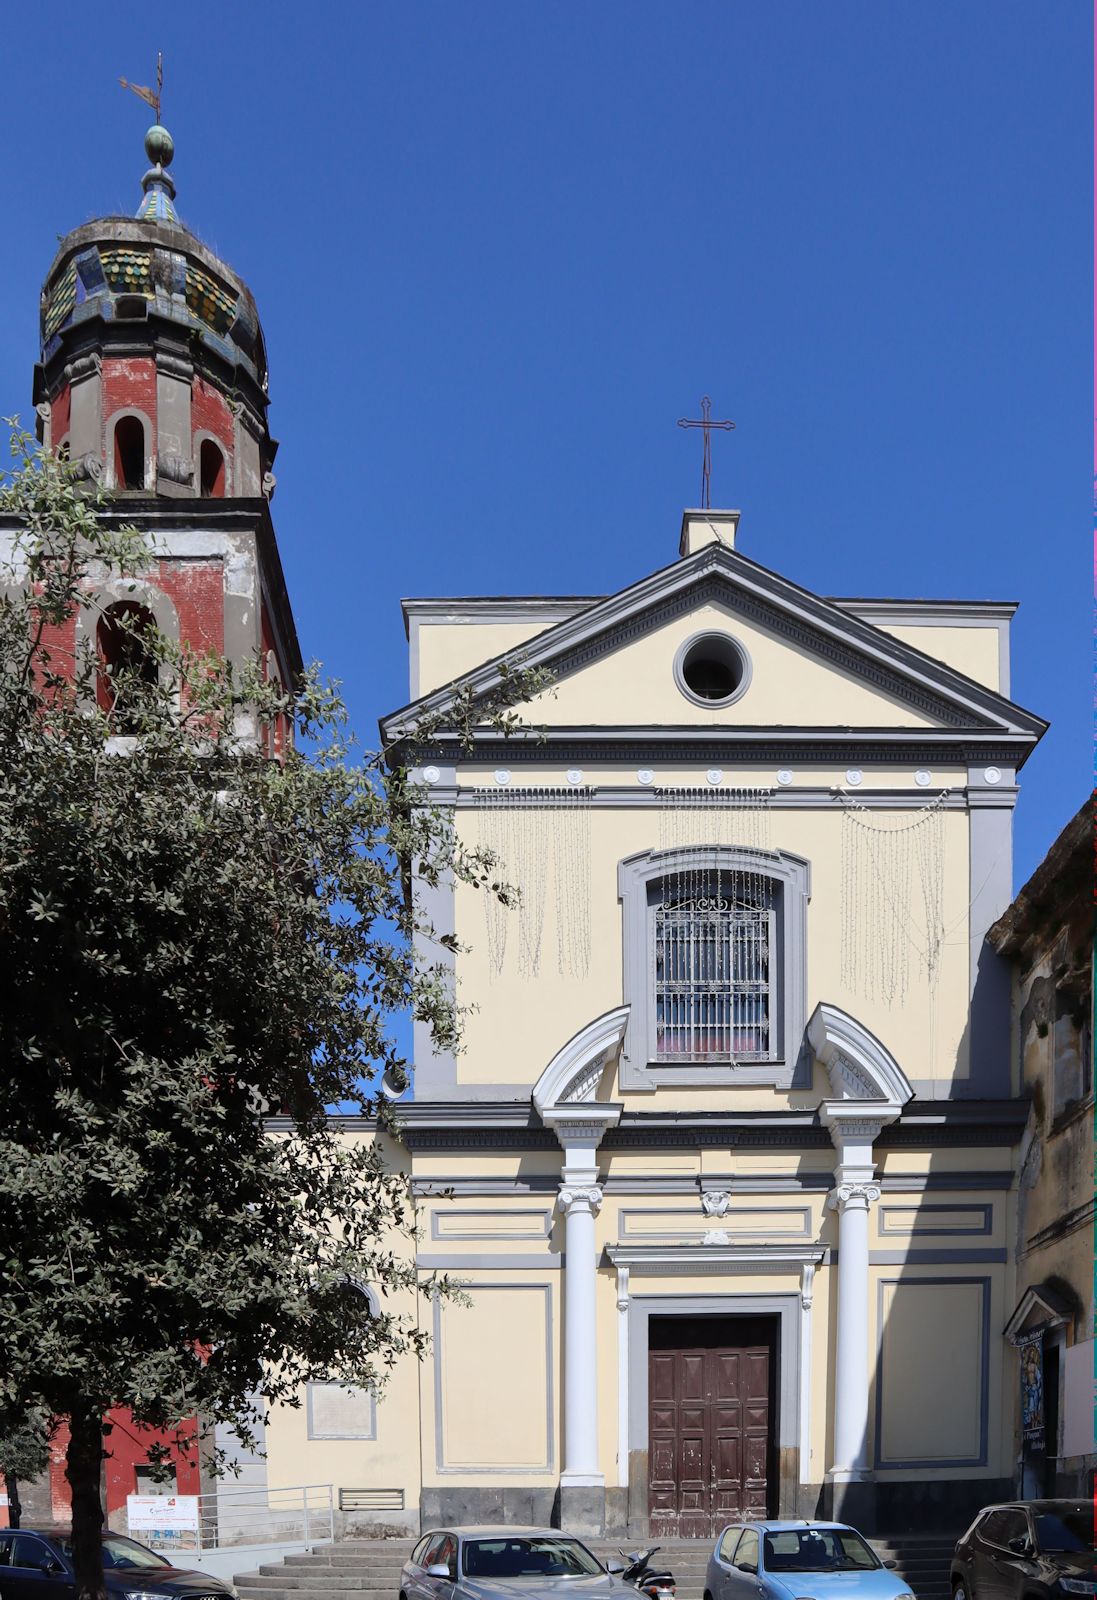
{"type": "Point", "coordinates": [129, 453]}
{"type": "Point", "coordinates": [211, 471]}
{"type": "Point", "coordinates": [128, 668]}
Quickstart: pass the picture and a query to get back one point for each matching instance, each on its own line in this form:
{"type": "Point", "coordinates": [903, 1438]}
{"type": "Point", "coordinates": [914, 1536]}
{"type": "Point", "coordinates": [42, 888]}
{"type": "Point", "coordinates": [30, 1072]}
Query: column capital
{"type": "Point", "coordinates": [582, 1125]}
{"type": "Point", "coordinates": [858, 1196]}
{"type": "Point", "coordinates": [579, 1197]}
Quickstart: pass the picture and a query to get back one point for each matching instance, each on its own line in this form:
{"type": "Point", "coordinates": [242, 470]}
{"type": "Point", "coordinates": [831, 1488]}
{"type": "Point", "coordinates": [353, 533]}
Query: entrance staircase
{"type": "Point", "coordinates": [369, 1569]}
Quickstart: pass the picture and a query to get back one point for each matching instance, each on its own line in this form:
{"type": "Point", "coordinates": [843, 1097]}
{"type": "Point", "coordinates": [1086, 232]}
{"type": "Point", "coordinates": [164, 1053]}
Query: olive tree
{"type": "Point", "coordinates": [194, 935]}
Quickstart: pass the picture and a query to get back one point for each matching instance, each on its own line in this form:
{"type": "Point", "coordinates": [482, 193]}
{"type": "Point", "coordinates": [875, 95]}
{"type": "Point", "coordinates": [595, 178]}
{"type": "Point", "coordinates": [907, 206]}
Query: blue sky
{"type": "Point", "coordinates": [499, 248]}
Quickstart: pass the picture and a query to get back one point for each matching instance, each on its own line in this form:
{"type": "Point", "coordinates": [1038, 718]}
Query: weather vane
{"type": "Point", "coordinates": [706, 424]}
{"type": "Point", "coordinates": [151, 97]}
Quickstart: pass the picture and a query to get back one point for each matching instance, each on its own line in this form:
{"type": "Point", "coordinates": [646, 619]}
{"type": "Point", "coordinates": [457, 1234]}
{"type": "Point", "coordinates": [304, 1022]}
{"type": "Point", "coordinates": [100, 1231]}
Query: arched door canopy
{"type": "Point", "coordinates": [862, 1071]}
{"type": "Point", "coordinates": [564, 1095]}
{"type": "Point", "coordinates": [572, 1075]}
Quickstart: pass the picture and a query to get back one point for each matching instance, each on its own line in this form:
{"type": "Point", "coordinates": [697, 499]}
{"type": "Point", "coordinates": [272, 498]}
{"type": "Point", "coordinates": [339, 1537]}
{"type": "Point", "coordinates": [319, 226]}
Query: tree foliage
{"type": "Point", "coordinates": [196, 938]}
{"type": "Point", "coordinates": [24, 1452]}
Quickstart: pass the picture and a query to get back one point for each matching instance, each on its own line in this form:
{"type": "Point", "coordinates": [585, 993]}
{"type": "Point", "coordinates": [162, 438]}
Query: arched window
{"type": "Point", "coordinates": [129, 453]}
{"type": "Point", "coordinates": [211, 471]}
{"type": "Point", "coordinates": [714, 949]}
{"type": "Point", "coordinates": [339, 1410]}
{"type": "Point", "coordinates": [714, 966]}
{"type": "Point", "coordinates": [127, 667]}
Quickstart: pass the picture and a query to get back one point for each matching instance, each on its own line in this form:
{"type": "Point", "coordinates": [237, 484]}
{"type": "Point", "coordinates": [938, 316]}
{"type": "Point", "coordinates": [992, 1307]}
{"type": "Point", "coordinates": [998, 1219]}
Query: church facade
{"type": "Point", "coordinates": [726, 1162]}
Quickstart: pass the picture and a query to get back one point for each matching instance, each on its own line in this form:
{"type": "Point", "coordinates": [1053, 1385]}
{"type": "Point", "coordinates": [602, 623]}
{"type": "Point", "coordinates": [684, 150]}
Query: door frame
{"type": "Point", "coordinates": [786, 1309]}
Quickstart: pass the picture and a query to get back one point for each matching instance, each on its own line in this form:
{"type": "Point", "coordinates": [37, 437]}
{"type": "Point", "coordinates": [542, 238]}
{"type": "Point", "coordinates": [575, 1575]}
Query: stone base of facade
{"type": "Point", "coordinates": [936, 1505]}
{"type": "Point", "coordinates": [928, 1505]}
{"type": "Point", "coordinates": [877, 1508]}
{"type": "Point", "coordinates": [488, 1504]}
{"type": "Point", "coordinates": [582, 1510]}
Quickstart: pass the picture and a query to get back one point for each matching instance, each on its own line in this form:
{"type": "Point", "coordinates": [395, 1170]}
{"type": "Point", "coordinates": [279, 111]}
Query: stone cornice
{"type": "Point", "coordinates": [682, 744]}
{"type": "Point", "coordinates": [488, 1125]}
{"type": "Point", "coordinates": [689, 1259]}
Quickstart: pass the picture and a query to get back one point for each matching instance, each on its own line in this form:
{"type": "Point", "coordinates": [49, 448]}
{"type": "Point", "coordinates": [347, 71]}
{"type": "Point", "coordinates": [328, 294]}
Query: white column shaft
{"type": "Point", "coordinates": [622, 1375]}
{"type": "Point", "coordinates": [851, 1365]}
{"type": "Point", "coordinates": [580, 1339]}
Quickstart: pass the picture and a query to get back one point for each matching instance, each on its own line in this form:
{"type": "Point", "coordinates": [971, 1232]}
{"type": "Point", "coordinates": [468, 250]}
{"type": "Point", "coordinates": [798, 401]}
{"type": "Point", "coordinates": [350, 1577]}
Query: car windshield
{"type": "Point", "coordinates": [817, 1550]}
{"type": "Point", "coordinates": [528, 1557]}
{"type": "Point", "coordinates": [1069, 1529]}
{"type": "Point", "coordinates": [118, 1551]}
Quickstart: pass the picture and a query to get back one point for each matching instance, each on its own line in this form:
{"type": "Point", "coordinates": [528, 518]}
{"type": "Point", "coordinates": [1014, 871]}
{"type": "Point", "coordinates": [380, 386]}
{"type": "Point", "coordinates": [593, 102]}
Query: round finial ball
{"type": "Point", "coordinates": [159, 146]}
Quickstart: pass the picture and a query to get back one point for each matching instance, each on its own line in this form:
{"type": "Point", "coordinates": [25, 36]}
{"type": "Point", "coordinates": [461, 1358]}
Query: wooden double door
{"type": "Point", "coordinates": [711, 1416]}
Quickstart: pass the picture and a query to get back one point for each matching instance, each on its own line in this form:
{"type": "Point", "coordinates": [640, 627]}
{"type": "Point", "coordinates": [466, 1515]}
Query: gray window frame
{"type": "Point", "coordinates": [791, 878]}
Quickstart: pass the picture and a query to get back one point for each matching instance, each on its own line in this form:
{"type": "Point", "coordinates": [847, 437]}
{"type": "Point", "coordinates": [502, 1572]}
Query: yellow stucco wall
{"type": "Point", "coordinates": [522, 1021]}
{"type": "Point", "coordinates": [485, 1407]}
{"type": "Point", "coordinates": [497, 1359]}
{"type": "Point", "coordinates": [970, 649]}
{"type": "Point", "coordinates": [447, 651]}
{"type": "Point", "coordinates": [635, 685]}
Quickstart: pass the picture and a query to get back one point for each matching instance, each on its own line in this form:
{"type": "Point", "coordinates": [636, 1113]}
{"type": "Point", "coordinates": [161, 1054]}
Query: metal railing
{"type": "Point", "coordinates": [233, 1515]}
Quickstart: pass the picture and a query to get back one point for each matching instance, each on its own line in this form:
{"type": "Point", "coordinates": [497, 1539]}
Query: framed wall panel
{"type": "Point", "coordinates": [933, 1372]}
{"type": "Point", "coordinates": [491, 1361]}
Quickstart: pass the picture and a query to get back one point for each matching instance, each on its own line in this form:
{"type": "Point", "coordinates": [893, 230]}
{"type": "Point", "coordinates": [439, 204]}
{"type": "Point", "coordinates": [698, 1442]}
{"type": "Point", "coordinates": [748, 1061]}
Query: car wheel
{"type": "Point", "coordinates": [962, 1590]}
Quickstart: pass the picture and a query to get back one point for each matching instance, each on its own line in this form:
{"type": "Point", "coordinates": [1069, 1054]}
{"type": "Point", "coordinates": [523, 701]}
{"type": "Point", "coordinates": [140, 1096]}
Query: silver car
{"type": "Point", "coordinates": [502, 1563]}
{"type": "Point", "coordinates": [791, 1560]}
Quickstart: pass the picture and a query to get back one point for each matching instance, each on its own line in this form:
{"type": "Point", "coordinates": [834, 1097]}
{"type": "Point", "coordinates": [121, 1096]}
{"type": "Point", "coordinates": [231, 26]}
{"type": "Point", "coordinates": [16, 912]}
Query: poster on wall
{"type": "Point", "coordinates": [1030, 1349]}
{"type": "Point", "coordinates": [164, 1521]}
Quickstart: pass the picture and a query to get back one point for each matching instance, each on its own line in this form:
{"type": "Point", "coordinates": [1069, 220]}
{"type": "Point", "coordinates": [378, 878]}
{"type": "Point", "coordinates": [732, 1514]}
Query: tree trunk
{"type": "Point", "coordinates": [83, 1465]}
{"type": "Point", "coordinates": [15, 1505]}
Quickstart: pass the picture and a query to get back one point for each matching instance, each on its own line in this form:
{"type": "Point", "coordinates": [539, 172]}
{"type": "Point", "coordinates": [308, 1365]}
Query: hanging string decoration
{"type": "Point", "coordinates": [883, 859]}
{"type": "Point", "coordinates": [714, 926]}
{"type": "Point", "coordinates": [571, 880]}
{"type": "Point", "coordinates": [710, 820]}
{"type": "Point", "coordinates": [531, 847]}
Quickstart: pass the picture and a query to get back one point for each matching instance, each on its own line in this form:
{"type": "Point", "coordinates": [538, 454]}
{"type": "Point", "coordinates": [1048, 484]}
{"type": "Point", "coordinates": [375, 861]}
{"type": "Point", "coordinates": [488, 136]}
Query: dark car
{"type": "Point", "coordinates": [1030, 1550]}
{"type": "Point", "coordinates": [36, 1564]}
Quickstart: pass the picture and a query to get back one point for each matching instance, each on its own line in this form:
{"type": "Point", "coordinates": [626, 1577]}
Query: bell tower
{"type": "Point", "coordinates": [153, 370]}
{"type": "Point", "coordinates": [152, 378]}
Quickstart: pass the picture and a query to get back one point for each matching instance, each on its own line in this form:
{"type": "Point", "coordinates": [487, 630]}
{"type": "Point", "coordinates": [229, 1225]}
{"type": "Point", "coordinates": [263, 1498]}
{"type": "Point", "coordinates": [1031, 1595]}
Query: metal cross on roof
{"type": "Point", "coordinates": [151, 97]}
{"type": "Point", "coordinates": [706, 423]}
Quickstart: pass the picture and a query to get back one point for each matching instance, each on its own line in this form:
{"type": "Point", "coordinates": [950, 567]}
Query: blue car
{"type": "Point", "coordinates": [798, 1561]}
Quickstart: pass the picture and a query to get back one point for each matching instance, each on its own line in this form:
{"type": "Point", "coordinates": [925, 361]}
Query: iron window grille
{"type": "Point", "coordinates": [714, 953]}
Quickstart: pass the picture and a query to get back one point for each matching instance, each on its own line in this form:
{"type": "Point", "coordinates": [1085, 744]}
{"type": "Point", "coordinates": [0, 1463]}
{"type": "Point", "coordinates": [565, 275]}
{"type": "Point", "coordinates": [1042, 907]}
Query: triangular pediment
{"type": "Point", "coordinates": [817, 666]}
{"type": "Point", "coordinates": [1040, 1306]}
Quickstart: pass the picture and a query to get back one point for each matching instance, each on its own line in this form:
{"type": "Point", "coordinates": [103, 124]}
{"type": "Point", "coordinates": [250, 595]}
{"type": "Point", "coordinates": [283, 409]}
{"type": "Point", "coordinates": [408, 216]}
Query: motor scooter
{"type": "Point", "coordinates": [654, 1581]}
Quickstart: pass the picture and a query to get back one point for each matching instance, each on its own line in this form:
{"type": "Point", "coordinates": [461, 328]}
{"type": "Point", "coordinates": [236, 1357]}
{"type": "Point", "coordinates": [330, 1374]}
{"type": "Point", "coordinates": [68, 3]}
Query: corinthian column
{"type": "Point", "coordinates": [580, 1205]}
{"type": "Point", "coordinates": [579, 1129]}
{"type": "Point", "coordinates": [851, 1367]}
{"type": "Point", "coordinates": [853, 1128]}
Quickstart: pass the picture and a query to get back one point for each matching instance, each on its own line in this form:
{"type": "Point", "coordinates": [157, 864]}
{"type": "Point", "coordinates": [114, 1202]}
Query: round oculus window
{"type": "Point", "coordinates": [712, 669]}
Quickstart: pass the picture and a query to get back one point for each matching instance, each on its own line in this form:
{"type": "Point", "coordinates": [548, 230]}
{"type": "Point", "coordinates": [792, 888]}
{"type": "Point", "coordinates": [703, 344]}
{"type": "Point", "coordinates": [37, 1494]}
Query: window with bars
{"type": "Point", "coordinates": [714, 969]}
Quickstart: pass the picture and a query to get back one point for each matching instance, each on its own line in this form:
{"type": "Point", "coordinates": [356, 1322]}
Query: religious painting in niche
{"type": "Point", "coordinates": [1030, 1350]}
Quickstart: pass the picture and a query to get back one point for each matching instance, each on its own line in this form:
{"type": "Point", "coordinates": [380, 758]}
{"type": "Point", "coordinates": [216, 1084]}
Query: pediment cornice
{"type": "Point", "coordinates": [718, 575]}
